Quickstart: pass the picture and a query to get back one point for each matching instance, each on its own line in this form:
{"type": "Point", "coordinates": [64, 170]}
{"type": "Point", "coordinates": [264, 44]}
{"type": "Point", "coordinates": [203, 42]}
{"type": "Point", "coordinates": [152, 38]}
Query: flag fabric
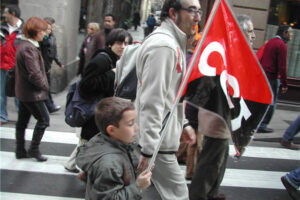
{"type": "Point", "coordinates": [226, 77]}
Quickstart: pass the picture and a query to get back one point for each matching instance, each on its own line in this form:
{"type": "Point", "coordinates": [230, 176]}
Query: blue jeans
{"type": "Point", "coordinates": [3, 99]}
{"type": "Point", "coordinates": [275, 88]}
{"type": "Point", "coordinates": [293, 178]}
{"type": "Point", "coordinates": [292, 130]}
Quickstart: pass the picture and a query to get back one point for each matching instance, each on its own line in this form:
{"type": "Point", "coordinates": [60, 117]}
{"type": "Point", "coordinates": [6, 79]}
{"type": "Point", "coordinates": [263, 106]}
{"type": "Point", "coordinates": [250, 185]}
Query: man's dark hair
{"type": "Point", "coordinates": [109, 111]}
{"type": "Point", "coordinates": [110, 15]}
{"type": "Point", "coordinates": [49, 20]}
{"type": "Point", "coordinates": [176, 4]}
{"type": "Point", "coordinates": [117, 34]}
{"type": "Point", "coordinates": [14, 9]}
{"type": "Point", "coordinates": [282, 29]}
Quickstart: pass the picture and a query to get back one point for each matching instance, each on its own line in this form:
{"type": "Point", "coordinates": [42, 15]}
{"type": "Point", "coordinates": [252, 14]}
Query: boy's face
{"type": "Point", "coordinates": [126, 132]}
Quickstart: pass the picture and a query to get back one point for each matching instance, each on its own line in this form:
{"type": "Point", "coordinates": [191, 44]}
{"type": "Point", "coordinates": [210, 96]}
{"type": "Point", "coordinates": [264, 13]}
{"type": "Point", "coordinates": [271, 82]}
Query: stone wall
{"type": "Point", "coordinates": [66, 14]}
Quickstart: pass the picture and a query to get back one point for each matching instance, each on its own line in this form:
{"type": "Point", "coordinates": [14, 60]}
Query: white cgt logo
{"type": "Point", "coordinates": [208, 70]}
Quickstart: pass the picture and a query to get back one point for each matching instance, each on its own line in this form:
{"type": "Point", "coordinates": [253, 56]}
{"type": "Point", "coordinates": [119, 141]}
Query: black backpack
{"type": "Point", "coordinates": [126, 79]}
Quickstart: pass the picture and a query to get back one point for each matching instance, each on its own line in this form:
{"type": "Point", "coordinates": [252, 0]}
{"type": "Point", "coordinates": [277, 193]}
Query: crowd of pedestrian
{"type": "Point", "coordinates": [117, 143]}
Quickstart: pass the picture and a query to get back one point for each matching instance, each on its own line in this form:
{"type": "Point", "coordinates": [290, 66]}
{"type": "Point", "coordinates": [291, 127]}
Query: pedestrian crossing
{"type": "Point", "coordinates": [258, 171]}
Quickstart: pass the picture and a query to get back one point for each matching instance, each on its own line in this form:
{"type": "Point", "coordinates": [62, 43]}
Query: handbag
{"type": "Point", "coordinates": [78, 110]}
{"type": "Point", "coordinates": [10, 83]}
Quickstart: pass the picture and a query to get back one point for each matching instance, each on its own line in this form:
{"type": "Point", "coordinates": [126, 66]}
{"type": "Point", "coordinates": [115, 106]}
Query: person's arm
{"type": "Point", "coordinates": [97, 78]}
{"type": "Point", "coordinates": [109, 182]}
{"type": "Point", "coordinates": [282, 62]}
{"type": "Point", "coordinates": [156, 79]}
{"type": "Point", "coordinates": [31, 59]}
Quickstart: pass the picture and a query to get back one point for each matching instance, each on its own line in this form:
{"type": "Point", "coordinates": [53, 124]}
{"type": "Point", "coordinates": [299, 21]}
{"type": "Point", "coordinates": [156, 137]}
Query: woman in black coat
{"type": "Point", "coordinates": [99, 75]}
{"type": "Point", "coordinates": [98, 82]}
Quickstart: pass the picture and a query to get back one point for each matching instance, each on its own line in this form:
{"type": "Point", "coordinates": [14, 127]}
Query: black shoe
{"type": "Point", "coordinates": [72, 170]}
{"type": "Point", "coordinates": [37, 155]}
{"type": "Point", "coordinates": [55, 109]}
{"type": "Point", "coordinates": [265, 130]}
{"type": "Point", "coordinates": [290, 189]}
{"type": "Point", "coordinates": [21, 154]}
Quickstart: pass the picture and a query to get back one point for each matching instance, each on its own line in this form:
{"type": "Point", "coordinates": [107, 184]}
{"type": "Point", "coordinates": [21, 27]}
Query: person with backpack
{"type": "Point", "coordinates": [98, 82]}
{"type": "Point", "coordinates": [160, 68]}
{"type": "Point", "coordinates": [151, 22]}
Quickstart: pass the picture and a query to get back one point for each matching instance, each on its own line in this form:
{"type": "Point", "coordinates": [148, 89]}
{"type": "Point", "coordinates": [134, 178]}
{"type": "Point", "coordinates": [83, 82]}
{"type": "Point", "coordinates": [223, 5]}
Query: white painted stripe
{"type": "Point", "coordinates": [21, 196]}
{"type": "Point", "coordinates": [253, 179]}
{"type": "Point", "coordinates": [49, 136]}
{"type": "Point", "coordinates": [54, 164]}
{"type": "Point", "coordinates": [268, 152]}
{"type": "Point", "coordinates": [71, 138]}
{"type": "Point", "coordinates": [250, 178]}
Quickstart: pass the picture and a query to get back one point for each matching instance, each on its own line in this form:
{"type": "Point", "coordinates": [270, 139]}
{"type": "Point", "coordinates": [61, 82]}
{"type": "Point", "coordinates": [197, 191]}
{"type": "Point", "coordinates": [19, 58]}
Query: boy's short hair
{"type": "Point", "coordinates": [109, 111]}
{"type": "Point", "coordinates": [14, 9]}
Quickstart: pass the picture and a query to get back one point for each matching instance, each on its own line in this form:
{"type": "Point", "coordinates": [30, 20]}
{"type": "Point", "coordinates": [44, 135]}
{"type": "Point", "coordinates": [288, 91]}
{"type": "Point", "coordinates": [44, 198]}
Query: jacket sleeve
{"type": "Point", "coordinates": [98, 78]}
{"type": "Point", "coordinates": [156, 81]}
{"type": "Point", "coordinates": [35, 75]}
{"type": "Point", "coordinates": [282, 56]}
{"type": "Point", "coordinates": [108, 183]}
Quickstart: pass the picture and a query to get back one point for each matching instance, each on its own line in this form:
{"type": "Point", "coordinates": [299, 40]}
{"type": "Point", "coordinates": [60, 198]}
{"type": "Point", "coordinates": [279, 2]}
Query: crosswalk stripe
{"type": "Point", "coordinates": [250, 178]}
{"type": "Point", "coordinates": [71, 138]}
{"type": "Point", "coordinates": [268, 152]}
{"type": "Point", "coordinates": [49, 136]}
{"type": "Point", "coordinates": [54, 164]}
{"type": "Point", "coordinates": [233, 177]}
{"type": "Point", "coordinates": [21, 196]}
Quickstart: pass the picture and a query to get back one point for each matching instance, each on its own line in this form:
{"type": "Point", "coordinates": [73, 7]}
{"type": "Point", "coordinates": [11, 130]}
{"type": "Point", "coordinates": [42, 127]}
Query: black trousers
{"type": "Point", "coordinates": [38, 110]}
{"type": "Point", "coordinates": [210, 169]}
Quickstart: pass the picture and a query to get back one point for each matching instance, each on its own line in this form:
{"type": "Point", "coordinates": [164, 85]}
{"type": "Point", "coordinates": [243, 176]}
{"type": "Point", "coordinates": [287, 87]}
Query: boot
{"type": "Point", "coordinates": [20, 145]}
{"type": "Point", "coordinates": [34, 151]}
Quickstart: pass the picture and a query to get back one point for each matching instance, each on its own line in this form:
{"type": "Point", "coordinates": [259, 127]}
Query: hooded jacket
{"type": "Point", "coordinates": [8, 46]}
{"type": "Point", "coordinates": [160, 65]}
{"type": "Point", "coordinates": [109, 168]}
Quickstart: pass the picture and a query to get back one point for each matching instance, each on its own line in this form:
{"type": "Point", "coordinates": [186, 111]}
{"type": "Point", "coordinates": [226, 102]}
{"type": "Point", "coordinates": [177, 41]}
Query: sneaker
{"type": "Point", "coordinates": [72, 170]}
{"type": "Point", "coordinates": [290, 189]}
{"type": "Point", "coordinates": [289, 145]}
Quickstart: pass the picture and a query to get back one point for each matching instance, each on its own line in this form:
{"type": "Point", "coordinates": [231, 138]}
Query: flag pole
{"type": "Point", "coordinates": [183, 83]}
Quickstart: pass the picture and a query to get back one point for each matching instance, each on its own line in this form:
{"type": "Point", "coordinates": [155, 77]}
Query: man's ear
{"type": "Point", "coordinates": [110, 129]}
{"type": "Point", "coordinates": [173, 14]}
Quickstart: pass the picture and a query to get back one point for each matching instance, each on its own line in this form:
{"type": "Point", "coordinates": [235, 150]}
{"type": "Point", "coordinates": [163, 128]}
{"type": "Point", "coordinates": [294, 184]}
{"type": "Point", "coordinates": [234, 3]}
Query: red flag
{"type": "Point", "coordinates": [226, 78]}
{"type": "Point", "coordinates": [225, 52]}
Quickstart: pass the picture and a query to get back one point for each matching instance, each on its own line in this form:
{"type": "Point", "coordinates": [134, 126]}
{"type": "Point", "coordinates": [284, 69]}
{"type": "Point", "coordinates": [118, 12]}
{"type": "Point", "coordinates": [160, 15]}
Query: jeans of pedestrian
{"type": "Point", "coordinates": [275, 83]}
{"type": "Point", "coordinates": [293, 178]}
{"type": "Point", "coordinates": [3, 98]}
{"type": "Point", "coordinates": [49, 102]}
{"type": "Point", "coordinates": [38, 110]}
{"type": "Point", "coordinates": [292, 130]}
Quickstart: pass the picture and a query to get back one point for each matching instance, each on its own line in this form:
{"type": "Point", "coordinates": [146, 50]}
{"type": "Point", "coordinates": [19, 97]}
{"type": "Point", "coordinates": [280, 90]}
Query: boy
{"type": "Point", "coordinates": [106, 158]}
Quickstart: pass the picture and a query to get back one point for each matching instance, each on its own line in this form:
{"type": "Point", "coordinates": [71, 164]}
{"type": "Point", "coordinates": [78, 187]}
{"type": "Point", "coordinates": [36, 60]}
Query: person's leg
{"type": "Point", "coordinates": [21, 125]}
{"type": "Point", "coordinates": [39, 111]}
{"type": "Point", "coordinates": [71, 163]}
{"type": "Point", "coordinates": [210, 169]}
{"type": "Point", "coordinates": [291, 182]}
{"type": "Point", "coordinates": [275, 89]}
{"type": "Point", "coordinates": [3, 111]}
{"type": "Point", "coordinates": [292, 130]}
{"type": "Point", "coordinates": [168, 178]}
